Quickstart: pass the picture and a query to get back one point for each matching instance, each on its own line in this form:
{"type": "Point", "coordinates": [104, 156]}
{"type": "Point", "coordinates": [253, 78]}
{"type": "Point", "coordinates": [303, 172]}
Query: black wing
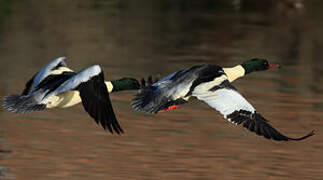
{"type": "Point", "coordinates": [28, 85]}
{"type": "Point", "coordinates": [254, 122]}
{"type": "Point", "coordinates": [236, 109]}
{"type": "Point", "coordinates": [96, 101]}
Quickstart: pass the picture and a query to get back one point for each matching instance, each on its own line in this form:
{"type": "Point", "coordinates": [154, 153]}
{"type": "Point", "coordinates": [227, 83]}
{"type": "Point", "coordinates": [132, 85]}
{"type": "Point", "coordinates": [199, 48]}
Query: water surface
{"type": "Point", "coordinates": [137, 39]}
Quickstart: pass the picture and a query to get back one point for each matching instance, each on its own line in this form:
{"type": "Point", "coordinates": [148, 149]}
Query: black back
{"type": "Point", "coordinates": [160, 95]}
{"type": "Point", "coordinates": [205, 73]}
{"type": "Point", "coordinates": [52, 82]}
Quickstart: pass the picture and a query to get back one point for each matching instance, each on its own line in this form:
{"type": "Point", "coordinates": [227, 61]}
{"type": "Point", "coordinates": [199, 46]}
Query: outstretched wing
{"type": "Point", "coordinates": [236, 109]}
{"type": "Point", "coordinates": [28, 86]}
{"type": "Point", "coordinates": [46, 70]}
{"type": "Point", "coordinates": [43, 74]}
{"type": "Point", "coordinates": [94, 95]}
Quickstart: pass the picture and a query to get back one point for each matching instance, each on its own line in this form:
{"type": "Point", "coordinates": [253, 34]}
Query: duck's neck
{"type": "Point", "coordinates": [109, 86]}
{"type": "Point", "coordinates": [119, 85]}
{"type": "Point", "coordinates": [234, 72]}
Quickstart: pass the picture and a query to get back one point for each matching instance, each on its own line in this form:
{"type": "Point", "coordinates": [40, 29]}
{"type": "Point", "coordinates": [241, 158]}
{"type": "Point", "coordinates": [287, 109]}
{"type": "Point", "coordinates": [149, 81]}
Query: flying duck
{"type": "Point", "coordinates": [57, 86]}
{"type": "Point", "coordinates": [211, 84]}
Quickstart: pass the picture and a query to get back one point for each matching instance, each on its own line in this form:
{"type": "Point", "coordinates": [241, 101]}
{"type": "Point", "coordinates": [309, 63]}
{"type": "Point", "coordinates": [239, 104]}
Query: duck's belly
{"type": "Point", "coordinates": [64, 100]}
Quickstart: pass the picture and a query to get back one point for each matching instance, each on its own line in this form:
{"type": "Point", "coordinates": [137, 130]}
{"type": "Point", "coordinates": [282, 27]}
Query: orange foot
{"type": "Point", "coordinates": [169, 108]}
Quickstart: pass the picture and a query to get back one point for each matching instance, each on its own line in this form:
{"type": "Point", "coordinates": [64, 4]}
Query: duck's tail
{"type": "Point", "coordinates": [143, 100]}
{"type": "Point", "coordinates": [21, 104]}
{"type": "Point", "coordinates": [150, 99]}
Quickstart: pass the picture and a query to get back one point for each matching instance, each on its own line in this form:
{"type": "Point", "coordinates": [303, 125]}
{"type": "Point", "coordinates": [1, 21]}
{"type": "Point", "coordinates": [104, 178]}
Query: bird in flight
{"type": "Point", "coordinates": [57, 86]}
{"type": "Point", "coordinates": [212, 85]}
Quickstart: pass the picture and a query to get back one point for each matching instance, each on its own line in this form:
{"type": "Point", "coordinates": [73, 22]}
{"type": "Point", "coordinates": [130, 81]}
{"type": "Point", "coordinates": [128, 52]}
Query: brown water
{"type": "Point", "coordinates": [141, 38]}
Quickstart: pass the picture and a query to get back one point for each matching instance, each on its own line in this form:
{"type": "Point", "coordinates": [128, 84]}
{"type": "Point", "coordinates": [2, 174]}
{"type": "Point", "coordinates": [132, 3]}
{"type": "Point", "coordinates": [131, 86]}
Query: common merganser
{"type": "Point", "coordinates": [211, 84]}
{"type": "Point", "coordinates": [57, 86]}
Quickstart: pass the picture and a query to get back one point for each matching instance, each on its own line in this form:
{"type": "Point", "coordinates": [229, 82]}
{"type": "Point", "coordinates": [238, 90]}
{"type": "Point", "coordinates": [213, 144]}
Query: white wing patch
{"type": "Point", "coordinates": [60, 70]}
{"type": "Point", "coordinates": [225, 100]}
{"type": "Point", "coordinates": [204, 87]}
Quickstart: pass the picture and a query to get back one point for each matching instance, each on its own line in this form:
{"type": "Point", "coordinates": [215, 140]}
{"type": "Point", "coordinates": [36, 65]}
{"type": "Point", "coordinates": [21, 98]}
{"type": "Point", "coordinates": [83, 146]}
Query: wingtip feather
{"type": "Point", "coordinates": [142, 101]}
{"type": "Point", "coordinates": [312, 133]}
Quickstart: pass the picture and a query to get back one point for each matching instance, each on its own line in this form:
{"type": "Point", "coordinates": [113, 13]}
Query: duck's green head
{"type": "Point", "coordinates": [125, 84]}
{"type": "Point", "coordinates": [257, 64]}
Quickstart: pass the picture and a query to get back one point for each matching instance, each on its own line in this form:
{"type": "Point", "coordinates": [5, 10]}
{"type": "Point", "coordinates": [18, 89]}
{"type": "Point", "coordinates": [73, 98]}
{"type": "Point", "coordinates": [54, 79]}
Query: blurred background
{"type": "Point", "coordinates": [138, 38]}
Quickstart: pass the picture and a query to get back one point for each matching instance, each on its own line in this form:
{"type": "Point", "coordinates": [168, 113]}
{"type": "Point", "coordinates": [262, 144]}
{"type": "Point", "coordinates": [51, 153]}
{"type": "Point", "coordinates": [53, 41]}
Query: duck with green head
{"type": "Point", "coordinates": [212, 85]}
{"type": "Point", "coordinates": [57, 86]}
{"type": "Point", "coordinates": [252, 65]}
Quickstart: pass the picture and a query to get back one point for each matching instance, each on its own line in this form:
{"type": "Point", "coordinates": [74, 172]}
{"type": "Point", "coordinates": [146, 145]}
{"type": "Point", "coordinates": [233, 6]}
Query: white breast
{"type": "Point", "coordinates": [234, 73]}
{"type": "Point", "coordinates": [63, 100]}
{"type": "Point", "coordinates": [69, 98]}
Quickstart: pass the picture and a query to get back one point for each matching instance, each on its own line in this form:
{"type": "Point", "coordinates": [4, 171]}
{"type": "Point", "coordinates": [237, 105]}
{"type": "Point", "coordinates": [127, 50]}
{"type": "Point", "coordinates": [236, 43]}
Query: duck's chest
{"type": "Point", "coordinates": [63, 100]}
{"type": "Point", "coordinates": [234, 72]}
